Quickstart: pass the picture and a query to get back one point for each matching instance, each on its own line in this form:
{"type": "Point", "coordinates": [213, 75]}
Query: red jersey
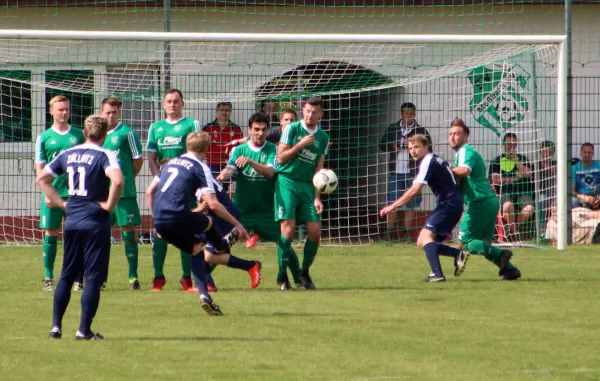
{"type": "Point", "coordinates": [219, 137]}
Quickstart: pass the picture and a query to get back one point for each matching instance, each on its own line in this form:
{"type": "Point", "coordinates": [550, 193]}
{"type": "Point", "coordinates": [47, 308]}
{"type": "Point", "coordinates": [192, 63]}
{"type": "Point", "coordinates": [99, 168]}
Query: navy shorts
{"type": "Point", "coordinates": [87, 252]}
{"type": "Point", "coordinates": [184, 231]}
{"type": "Point", "coordinates": [443, 219]}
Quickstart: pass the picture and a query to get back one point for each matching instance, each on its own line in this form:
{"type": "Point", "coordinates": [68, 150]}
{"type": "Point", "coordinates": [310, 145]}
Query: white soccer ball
{"type": "Point", "coordinates": [325, 181]}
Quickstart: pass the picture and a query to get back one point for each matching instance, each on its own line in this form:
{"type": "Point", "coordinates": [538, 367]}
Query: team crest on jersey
{"type": "Point", "coordinates": [73, 140]}
{"type": "Point", "coordinates": [263, 158]}
{"type": "Point", "coordinates": [316, 144]}
{"type": "Point", "coordinates": [114, 139]}
{"type": "Point", "coordinates": [177, 128]}
{"type": "Point", "coordinates": [52, 142]}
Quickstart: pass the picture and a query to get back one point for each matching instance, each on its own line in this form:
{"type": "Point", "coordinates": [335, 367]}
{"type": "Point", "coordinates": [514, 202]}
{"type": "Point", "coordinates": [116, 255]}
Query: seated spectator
{"type": "Point", "coordinates": [585, 229]}
{"type": "Point", "coordinates": [586, 179]}
{"type": "Point", "coordinates": [511, 173]}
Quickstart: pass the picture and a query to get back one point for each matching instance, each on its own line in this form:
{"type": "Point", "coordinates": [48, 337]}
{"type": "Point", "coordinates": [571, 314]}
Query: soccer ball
{"type": "Point", "coordinates": [507, 111]}
{"type": "Point", "coordinates": [325, 181]}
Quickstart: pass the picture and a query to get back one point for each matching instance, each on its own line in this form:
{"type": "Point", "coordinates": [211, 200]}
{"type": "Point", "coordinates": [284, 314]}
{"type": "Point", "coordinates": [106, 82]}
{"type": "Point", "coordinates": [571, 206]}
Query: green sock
{"type": "Point", "coordinates": [310, 252]}
{"type": "Point", "coordinates": [131, 253]}
{"type": "Point", "coordinates": [159, 253]}
{"type": "Point", "coordinates": [293, 263]}
{"type": "Point", "coordinates": [49, 250]}
{"type": "Point", "coordinates": [186, 264]}
{"type": "Point", "coordinates": [484, 248]}
{"type": "Point", "coordinates": [283, 260]}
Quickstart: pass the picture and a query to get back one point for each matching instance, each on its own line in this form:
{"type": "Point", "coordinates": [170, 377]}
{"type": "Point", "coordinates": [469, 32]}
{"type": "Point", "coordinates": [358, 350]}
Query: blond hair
{"type": "Point", "coordinates": [419, 138]}
{"type": "Point", "coordinates": [58, 98]}
{"type": "Point", "coordinates": [197, 142]}
{"type": "Point", "coordinates": [95, 128]}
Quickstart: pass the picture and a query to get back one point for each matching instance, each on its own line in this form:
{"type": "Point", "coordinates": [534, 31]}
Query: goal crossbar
{"type": "Point", "coordinates": [281, 37]}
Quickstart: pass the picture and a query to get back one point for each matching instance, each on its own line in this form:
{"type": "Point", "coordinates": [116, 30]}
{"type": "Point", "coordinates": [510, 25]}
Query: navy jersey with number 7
{"type": "Point", "coordinates": [436, 172]}
{"type": "Point", "coordinates": [180, 181]}
{"type": "Point", "coordinates": [86, 167]}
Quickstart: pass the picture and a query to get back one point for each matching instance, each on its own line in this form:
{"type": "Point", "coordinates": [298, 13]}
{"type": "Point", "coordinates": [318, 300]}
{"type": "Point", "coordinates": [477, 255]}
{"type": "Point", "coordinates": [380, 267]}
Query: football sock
{"type": "Point", "coordinates": [90, 299]}
{"type": "Point", "coordinates": [293, 262]}
{"type": "Point", "coordinates": [490, 252]}
{"type": "Point", "coordinates": [159, 253]}
{"type": "Point", "coordinates": [49, 250]}
{"type": "Point", "coordinates": [131, 253]}
{"type": "Point", "coordinates": [62, 296]}
{"type": "Point", "coordinates": [210, 268]}
{"type": "Point", "coordinates": [239, 263]}
{"type": "Point", "coordinates": [431, 253]}
{"type": "Point", "coordinates": [310, 252]}
{"type": "Point", "coordinates": [447, 251]}
{"type": "Point", "coordinates": [186, 264]}
{"type": "Point", "coordinates": [283, 262]}
{"type": "Point", "coordinates": [199, 274]}
{"type": "Point", "coordinates": [215, 239]}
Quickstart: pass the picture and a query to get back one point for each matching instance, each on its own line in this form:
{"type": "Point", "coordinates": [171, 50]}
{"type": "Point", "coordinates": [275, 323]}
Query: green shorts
{"type": "Point", "coordinates": [294, 200]}
{"type": "Point", "coordinates": [50, 218]}
{"type": "Point", "coordinates": [267, 228]}
{"type": "Point", "coordinates": [479, 221]}
{"type": "Point", "coordinates": [127, 213]}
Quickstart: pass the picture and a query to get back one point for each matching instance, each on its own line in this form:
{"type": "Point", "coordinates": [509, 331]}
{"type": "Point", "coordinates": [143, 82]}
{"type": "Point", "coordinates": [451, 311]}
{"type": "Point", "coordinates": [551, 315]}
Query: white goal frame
{"type": "Point", "coordinates": [558, 40]}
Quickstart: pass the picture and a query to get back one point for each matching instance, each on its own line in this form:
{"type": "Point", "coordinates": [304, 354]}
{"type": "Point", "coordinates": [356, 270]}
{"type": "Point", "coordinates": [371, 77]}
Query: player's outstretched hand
{"type": "Point", "coordinates": [244, 236]}
{"type": "Point", "coordinates": [385, 210]}
{"type": "Point", "coordinates": [318, 206]}
{"type": "Point", "coordinates": [231, 145]}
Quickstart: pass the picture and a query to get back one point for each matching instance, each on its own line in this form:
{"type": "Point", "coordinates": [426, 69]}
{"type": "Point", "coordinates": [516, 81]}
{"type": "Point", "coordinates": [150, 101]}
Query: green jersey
{"type": "Point", "coordinates": [125, 143]}
{"type": "Point", "coordinates": [50, 144]}
{"type": "Point", "coordinates": [167, 139]}
{"type": "Point", "coordinates": [476, 186]}
{"type": "Point", "coordinates": [302, 167]}
{"type": "Point", "coordinates": [254, 193]}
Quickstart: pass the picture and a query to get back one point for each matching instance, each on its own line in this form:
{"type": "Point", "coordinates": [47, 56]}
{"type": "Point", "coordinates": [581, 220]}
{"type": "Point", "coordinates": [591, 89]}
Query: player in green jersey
{"type": "Point", "coordinates": [301, 153]}
{"type": "Point", "coordinates": [478, 225]}
{"type": "Point", "coordinates": [126, 145]}
{"type": "Point", "coordinates": [166, 140]}
{"type": "Point", "coordinates": [255, 162]}
{"type": "Point", "coordinates": [58, 138]}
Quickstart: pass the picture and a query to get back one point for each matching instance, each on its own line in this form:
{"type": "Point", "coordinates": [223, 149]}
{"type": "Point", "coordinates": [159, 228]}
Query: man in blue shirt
{"type": "Point", "coordinates": [435, 172]}
{"type": "Point", "coordinates": [169, 195]}
{"type": "Point", "coordinates": [586, 179]}
{"type": "Point", "coordinates": [94, 182]}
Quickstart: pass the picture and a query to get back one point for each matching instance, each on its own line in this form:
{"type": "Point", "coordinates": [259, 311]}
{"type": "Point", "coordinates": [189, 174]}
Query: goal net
{"type": "Point", "coordinates": [506, 92]}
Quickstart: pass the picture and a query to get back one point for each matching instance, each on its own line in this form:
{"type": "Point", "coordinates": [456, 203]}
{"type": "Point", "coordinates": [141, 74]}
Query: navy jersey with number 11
{"type": "Point", "coordinates": [86, 167]}
{"type": "Point", "coordinates": [436, 172]}
{"type": "Point", "coordinates": [181, 181]}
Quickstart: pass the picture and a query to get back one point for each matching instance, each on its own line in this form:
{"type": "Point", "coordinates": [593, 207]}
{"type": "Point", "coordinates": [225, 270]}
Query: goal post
{"type": "Point", "coordinates": [364, 77]}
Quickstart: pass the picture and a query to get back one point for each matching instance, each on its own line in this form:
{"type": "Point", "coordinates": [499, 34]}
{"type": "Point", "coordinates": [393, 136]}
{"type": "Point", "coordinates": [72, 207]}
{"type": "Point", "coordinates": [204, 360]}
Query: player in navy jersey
{"type": "Point", "coordinates": [169, 195]}
{"type": "Point", "coordinates": [435, 172]}
{"type": "Point", "coordinates": [223, 227]}
{"type": "Point", "coordinates": [94, 182]}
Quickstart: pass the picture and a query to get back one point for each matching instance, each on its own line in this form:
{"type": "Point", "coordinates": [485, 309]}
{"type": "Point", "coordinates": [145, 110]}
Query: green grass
{"type": "Point", "coordinates": [370, 320]}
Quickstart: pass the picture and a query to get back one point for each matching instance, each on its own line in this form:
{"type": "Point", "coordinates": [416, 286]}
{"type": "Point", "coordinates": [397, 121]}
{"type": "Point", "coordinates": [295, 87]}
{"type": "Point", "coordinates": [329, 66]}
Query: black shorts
{"type": "Point", "coordinates": [183, 231]}
{"type": "Point", "coordinates": [87, 251]}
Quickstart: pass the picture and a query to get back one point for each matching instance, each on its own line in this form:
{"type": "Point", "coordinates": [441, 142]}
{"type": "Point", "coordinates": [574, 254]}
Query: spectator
{"type": "Point", "coordinates": [401, 166]}
{"type": "Point", "coordinates": [270, 107]}
{"type": "Point", "coordinates": [222, 131]}
{"type": "Point", "coordinates": [585, 229]}
{"type": "Point", "coordinates": [586, 179]}
{"type": "Point", "coordinates": [510, 173]}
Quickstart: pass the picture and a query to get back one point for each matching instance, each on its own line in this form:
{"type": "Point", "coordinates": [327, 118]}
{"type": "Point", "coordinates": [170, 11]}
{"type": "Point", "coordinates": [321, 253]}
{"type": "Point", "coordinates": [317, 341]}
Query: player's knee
{"type": "Point", "coordinates": [52, 232]}
{"type": "Point", "coordinates": [128, 228]}
{"type": "Point", "coordinates": [461, 245]}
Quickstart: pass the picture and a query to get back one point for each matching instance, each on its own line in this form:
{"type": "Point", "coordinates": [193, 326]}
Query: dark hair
{"type": "Point", "coordinates": [509, 135]}
{"type": "Point", "coordinates": [111, 101]}
{"type": "Point", "coordinates": [225, 104]}
{"type": "Point", "coordinates": [587, 144]}
{"type": "Point", "coordinates": [289, 111]}
{"type": "Point", "coordinates": [315, 101]}
{"type": "Point", "coordinates": [173, 91]}
{"type": "Point", "coordinates": [458, 122]}
{"type": "Point", "coordinates": [547, 144]}
{"type": "Point", "coordinates": [262, 103]}
{"type": "Point", "coordinates": [408, 105]}
{"type": "Point", "coordinates": [258, 117]}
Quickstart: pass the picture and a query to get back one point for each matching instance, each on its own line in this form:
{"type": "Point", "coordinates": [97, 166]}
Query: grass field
{"type": "Point", "coordinates": [369, 320]}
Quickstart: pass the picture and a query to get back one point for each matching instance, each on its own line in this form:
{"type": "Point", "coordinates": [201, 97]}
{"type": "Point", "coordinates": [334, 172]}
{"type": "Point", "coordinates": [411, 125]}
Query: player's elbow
{"type": "Point", "coordinates": [213, 203]}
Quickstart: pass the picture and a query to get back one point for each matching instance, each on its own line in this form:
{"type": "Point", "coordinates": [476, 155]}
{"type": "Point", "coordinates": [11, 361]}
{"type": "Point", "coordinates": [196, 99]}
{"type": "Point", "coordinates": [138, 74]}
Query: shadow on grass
{"type": "Point", "coordinates": [191, 338]}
